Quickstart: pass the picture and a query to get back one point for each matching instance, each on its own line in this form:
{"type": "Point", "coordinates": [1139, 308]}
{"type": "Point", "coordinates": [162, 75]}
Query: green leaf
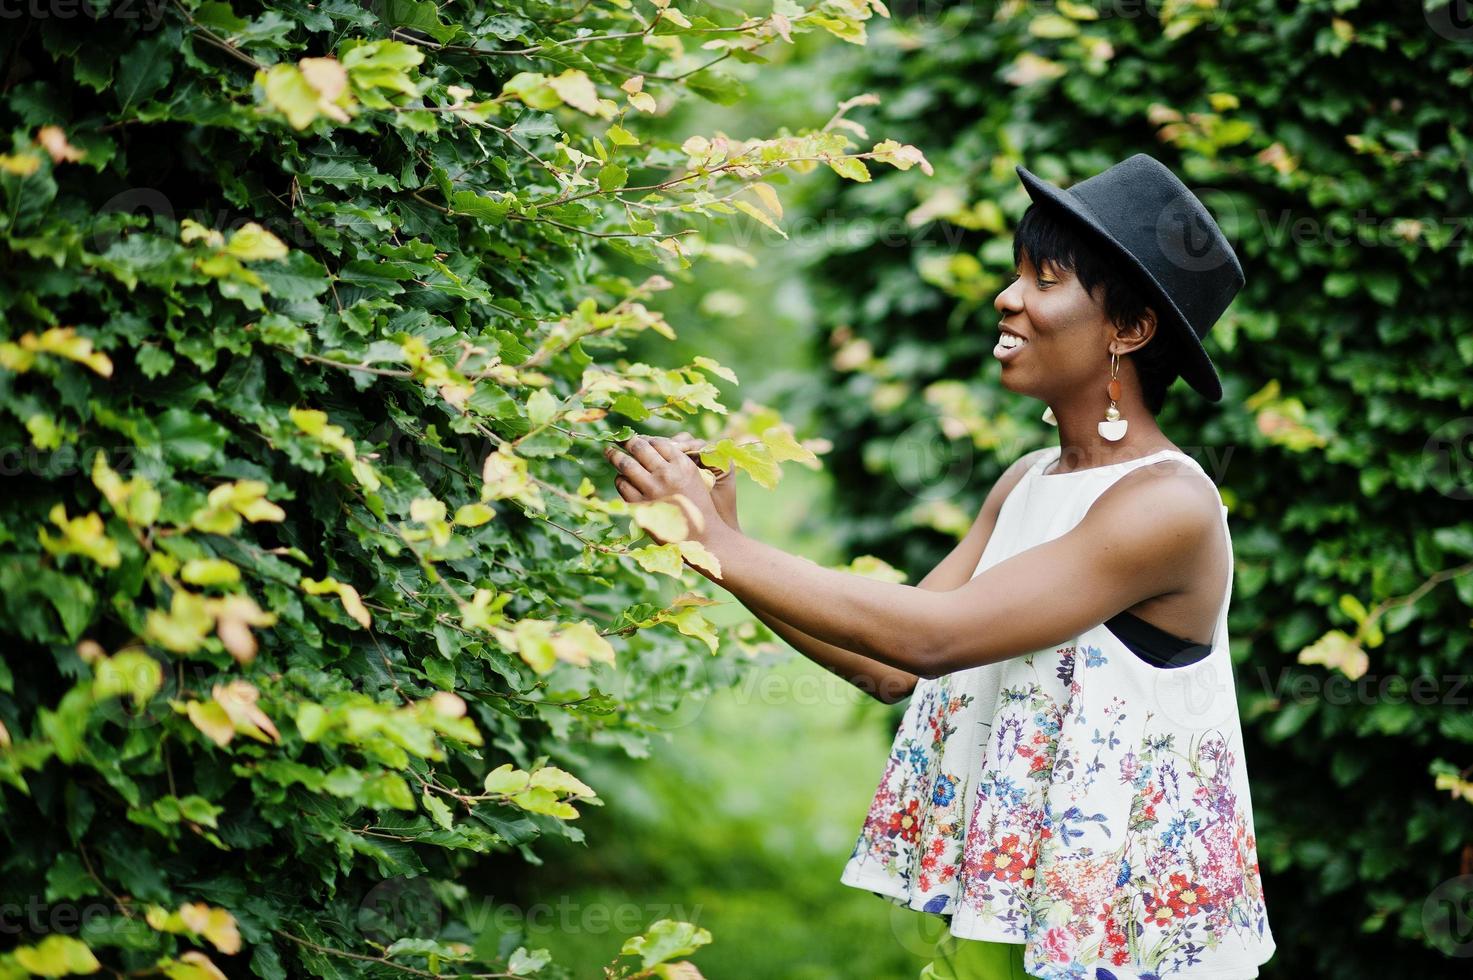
{"type": "Point", "coordinates": [611, 176]}
{"type": "Point", "coordinates": [188, 438]}
{"type": "Point", "coordinates": [143, 70]}
{"type": "Point", "coordinates": [665, 940]}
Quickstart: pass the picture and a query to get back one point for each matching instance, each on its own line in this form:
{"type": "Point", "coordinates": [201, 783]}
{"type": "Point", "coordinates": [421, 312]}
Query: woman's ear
{"type": "Point", "coordinates": [1136, 335]}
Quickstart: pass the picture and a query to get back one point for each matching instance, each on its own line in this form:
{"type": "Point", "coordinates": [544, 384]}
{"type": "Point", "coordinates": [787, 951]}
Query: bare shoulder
{"type": "Point", "coordinates": [1169, 501]}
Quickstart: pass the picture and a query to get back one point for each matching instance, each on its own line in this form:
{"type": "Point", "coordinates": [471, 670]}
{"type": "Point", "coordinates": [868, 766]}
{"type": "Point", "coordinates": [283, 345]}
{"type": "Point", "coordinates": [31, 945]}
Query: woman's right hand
{"type": "Point", "coordinates": [723, 491]}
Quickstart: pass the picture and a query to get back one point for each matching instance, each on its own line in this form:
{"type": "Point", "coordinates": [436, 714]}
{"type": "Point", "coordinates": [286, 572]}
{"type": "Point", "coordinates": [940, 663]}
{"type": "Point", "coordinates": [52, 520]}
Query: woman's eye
{"type": "Point", "coordinates": [1045, 283]}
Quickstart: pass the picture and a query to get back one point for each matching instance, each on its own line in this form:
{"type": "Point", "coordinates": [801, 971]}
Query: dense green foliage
{"type": "Point", "coordinates": [1330, 138]}
{"type": "Point", "coordinates": [293, 294]}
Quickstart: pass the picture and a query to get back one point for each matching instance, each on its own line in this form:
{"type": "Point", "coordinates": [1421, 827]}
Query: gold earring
{"type": "Point", "coordinates": [1113, 427]}
{"type": "Point", "coordinates": [1048, 415]}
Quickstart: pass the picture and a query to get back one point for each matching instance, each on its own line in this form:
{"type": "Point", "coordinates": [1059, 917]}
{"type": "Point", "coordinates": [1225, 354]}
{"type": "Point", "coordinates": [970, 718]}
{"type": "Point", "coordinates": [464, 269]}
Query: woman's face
{"type": "Point", "coordinates": [1065, 334]}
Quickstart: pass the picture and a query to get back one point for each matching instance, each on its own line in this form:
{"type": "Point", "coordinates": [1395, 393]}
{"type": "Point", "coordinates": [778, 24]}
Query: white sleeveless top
{"type": "Point", "coordinates": [1078, 800]}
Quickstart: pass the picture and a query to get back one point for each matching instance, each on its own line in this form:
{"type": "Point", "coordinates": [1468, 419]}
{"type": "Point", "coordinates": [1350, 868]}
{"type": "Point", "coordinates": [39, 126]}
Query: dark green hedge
{"type": "Point", "coordinates": [1331, 139]}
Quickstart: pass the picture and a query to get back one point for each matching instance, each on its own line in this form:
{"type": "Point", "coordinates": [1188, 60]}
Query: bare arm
{"type": "Point", "coordinates": [882, 681]}
{"type": "Point", "coordinates": [1139, 540]}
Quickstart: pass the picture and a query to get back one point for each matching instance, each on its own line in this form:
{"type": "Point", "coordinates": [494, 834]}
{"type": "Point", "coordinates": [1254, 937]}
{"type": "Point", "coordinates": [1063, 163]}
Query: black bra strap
{"type": "Point", "coordinates": [1153, 644]}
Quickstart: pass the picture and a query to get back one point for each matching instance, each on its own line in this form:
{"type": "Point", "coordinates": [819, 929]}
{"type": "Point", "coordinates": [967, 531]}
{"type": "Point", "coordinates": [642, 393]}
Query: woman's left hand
{"type": "Point", "coordinates": [656, 468]}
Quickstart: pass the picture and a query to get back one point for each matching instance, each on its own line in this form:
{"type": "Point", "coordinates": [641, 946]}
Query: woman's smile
{"type": "Point", "coordinates": [1008, 346]}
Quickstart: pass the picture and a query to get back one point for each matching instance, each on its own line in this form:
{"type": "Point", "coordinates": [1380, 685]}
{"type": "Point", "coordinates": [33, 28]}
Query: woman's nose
{"type": "Point", "coordinates": [1010, 299]}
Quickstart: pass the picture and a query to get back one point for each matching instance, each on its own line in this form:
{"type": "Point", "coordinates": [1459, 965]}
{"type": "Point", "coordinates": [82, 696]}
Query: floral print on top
{"type": "Point", "coordinates": [1077, 800]}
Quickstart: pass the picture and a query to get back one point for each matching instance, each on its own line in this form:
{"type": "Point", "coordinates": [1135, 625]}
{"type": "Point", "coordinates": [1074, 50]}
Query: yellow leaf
{"type": "Point", "coordinates": [561, 782]}
{"type": "Point", "coordinates": [215, 924]}
{"type": "Point", "coordinates": [707, 364]}
{"type": "Point", "coordinates": [1028, 68]}
{"type": "Point", "coordinates": [64, 342]}
{"type": "Point", "coordinates": [876, 568]}
{"type": "Point", "coordinates": [328, 78]}
{"type": "Point", "coordinates": [473, 515]}
{"type": "Point", "coordinates": [783, 446]}
{"type": "Point", "coordinates": [346, 594]}
{"type": "Point", "coordinates": [288, 90]}
{"type": "Point", "coordinates": [209, 571]}
{"type": "Point", "coordinates": [690, 622]}
{"type": "Point", "coordinates": [769, 198]}
{"type": "Point", "coordinates": [1052, 26]}
{"type": "Point", "coordinates": [57, 956]}
{"type": "Point", "coordinates": [505, 474]}
{"type": "Point", "coordinates": [192, 231]}
{"type": "Point", "coordinates": [661, 559]}
{"type": "Point", "coordinates": [130, 672]}
{"type": "Point", "coordinates": [192, 965]}
{"type": "Point", "coordinates": [253, 243]}
{"type": "Point", "coordinates": [532, 640]}
{"type": "Point", "coordinates": [198, 919]}
{"type": "Point", "coordinates": [234, 617]}
{"type": "Point", "coordinates": [84, 535]}
{"type": "Point", "coordinates": [1077, 11]}
{"type": "Point", "coordinates": [426, 510]}
{"type": "Point", "coordinates": [238, 699]}
{"type": "Point", "coordinates": [184, 627]}
{"type": "Point", "coordinates": [506, 779]}
{"type": "Point", "coordinates": [1338, 651]}
{"type": "Point", "coordinates": [21, 164]}
{"type": "Point", "coordinates": [579, 643]}
{"type": "Point", "coordinates": [210, 718]}
{"type": "Point", "coordinates": [902, 156]}
{"type": "Point", "coordinates": [746, 207]}
{"type": "Point", "coordinates": [577, 90]}
{"type": "Point", "coordinates": [700, 556]}
{"type": "Point", "coordinates": [664, 520]}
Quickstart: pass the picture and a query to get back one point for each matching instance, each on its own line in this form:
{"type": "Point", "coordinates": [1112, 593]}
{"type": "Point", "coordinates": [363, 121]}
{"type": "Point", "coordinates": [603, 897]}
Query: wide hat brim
{"type": "Point", "coordinates": [1192, 362]}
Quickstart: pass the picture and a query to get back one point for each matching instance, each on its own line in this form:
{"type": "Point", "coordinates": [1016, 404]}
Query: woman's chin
{"type": "Point", "coordinates": [1012, 381]}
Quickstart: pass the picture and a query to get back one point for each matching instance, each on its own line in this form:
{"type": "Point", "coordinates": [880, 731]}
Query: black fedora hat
{"type": "Point", "coordinates": [1142, 214]}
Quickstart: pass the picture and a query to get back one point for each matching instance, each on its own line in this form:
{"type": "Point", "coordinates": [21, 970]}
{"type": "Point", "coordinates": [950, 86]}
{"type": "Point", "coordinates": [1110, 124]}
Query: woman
{"type": "Point", "coordinates": [1067, 787]}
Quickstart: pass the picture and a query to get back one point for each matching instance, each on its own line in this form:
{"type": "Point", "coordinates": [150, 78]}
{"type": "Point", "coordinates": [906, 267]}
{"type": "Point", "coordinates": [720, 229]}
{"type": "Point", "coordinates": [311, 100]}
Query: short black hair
{"type": "Point", "coordinates": [1046, 236]}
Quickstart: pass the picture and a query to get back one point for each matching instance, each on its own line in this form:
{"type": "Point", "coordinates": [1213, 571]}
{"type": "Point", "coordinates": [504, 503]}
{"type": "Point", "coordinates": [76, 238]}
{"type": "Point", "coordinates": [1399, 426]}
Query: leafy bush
{"type": "Point", "coordinates": [1330, 138]}
{"type": "Point", "coordinates": [311, 334]}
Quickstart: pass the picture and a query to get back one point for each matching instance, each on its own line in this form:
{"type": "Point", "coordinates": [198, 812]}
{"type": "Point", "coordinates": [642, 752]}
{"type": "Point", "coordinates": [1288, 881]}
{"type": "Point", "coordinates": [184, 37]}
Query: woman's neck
{"type": "Point", "coordinates": [1082, 447]}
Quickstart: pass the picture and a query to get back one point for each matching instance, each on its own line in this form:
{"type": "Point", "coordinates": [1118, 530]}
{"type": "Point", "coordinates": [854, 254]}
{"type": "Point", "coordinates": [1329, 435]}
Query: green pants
{"type": "Point", "coordinates": [975, 959]}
